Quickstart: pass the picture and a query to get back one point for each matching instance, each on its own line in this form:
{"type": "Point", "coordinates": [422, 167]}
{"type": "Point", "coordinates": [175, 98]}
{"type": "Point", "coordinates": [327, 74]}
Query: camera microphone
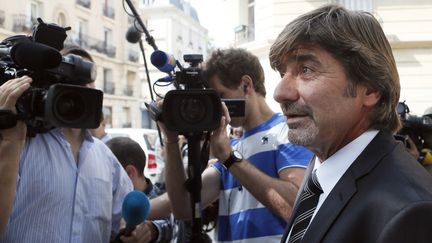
{"type": "Point", "coordinates": [163, 61]}
{"type": "Point", "coordinates": [133, 35]}
{"type": "Point", "coordinates": [36, 56]}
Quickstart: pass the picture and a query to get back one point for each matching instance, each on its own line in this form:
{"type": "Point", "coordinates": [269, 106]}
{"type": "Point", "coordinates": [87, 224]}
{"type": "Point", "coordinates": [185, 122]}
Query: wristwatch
{"type": "Point", "coordinates": [235, 157]}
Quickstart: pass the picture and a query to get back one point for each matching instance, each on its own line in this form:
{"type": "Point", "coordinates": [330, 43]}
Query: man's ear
{"type": "Point", "coordinates": [247, 84]}
{"type": "Point", "coordinates": [131, 171]}
{"type": "Point", "coordinates": [370, 96]}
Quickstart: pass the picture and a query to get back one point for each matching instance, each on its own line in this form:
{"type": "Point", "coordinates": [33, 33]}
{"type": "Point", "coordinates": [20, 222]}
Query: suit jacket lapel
{"type": "Point", "coordinates": [305, 179]}
{"type": "Point", "coordinates": [346, 187]}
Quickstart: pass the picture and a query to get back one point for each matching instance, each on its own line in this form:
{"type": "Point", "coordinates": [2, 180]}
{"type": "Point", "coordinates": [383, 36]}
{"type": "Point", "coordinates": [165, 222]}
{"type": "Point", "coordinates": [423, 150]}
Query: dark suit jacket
{"type": "Point", "coordinates": [384, 196]}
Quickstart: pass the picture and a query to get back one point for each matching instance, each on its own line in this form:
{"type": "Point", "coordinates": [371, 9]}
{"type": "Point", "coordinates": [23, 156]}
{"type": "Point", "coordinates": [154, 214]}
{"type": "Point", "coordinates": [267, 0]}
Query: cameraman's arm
{"type": "Point", "coordinates": [277, 194]}
{"type": "Point", "coordinates": [175, 178]}
{"type": "Point", "coordinates": [11, 143]}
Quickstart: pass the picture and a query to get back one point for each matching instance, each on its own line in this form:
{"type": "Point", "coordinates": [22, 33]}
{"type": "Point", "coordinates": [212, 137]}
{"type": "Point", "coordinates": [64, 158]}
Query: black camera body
{"type": "Point", "coordinates": [57, 97]}
{"type": "Point", "coordinates": [412, 125]}
{"type": "Point", "coordinates": [192, 107]}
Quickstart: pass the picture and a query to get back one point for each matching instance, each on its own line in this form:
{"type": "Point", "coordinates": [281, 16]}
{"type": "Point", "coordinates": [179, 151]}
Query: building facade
{"type": "Point", "coordinates": [98, 26]}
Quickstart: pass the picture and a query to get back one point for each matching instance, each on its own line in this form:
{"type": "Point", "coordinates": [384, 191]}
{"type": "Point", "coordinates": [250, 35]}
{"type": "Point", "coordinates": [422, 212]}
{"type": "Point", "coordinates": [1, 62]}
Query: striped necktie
{"type": "Point", "coordinates": [307, 205]}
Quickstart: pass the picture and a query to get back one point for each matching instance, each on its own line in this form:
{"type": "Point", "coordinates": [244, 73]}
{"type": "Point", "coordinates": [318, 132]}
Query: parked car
{"type": "Point", "coordinates": [147, 139]}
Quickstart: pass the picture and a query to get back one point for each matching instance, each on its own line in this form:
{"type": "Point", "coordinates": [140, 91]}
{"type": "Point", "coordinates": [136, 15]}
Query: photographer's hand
{"type": "Point", "coordinates": [11, 143]}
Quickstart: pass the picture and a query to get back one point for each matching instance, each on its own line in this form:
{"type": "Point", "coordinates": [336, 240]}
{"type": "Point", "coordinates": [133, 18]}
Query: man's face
{"type": "Point", "coordinates": [313, 96]}
{"type": "Point", "coordinates": [227, 93]}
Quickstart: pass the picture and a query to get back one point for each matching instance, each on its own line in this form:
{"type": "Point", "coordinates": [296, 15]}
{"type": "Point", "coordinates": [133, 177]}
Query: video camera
{"type": "Point", "coordinates": [57, 97]}
{"type": "Point", "coordinates": [192, 107]}
{"type": "Point", "coordinates": [412, 125]}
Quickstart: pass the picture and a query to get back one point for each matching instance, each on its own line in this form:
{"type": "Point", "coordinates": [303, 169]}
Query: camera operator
{"type": "Point", "coordinates": [256, 194]}
{"type": "Point", "coordinates": [69, 186]}
{"type": "Point", "coordinates": [11, 140]}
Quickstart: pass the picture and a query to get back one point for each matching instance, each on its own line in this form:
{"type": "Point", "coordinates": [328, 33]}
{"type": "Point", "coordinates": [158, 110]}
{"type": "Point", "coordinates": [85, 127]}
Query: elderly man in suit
{"type": "Point", "coordinates": [338, 91]}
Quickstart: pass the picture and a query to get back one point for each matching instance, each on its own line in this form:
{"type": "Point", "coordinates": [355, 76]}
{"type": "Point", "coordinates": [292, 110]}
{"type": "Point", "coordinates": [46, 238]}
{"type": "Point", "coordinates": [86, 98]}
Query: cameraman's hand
{"type": "Point", "coordinates": [220, 142]}
{"type": "Point", "coordinates": [9, 94]}
{"type": "Point", "coordinates": [169, 136]}
{"type": "Point", "coordinates": [143, 233]}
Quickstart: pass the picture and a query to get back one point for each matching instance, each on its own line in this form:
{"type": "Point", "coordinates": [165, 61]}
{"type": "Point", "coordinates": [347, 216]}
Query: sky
{"type": "Point", "coordinates": [210, 14]}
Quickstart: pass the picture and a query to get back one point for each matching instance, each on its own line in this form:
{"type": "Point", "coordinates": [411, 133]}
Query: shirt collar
{"type": "Point", "coordinates": [332, 169]}
{"type": "Point", "coordinates": [149, 187]}
{"type": "Point", "coordinates": [59, 132]}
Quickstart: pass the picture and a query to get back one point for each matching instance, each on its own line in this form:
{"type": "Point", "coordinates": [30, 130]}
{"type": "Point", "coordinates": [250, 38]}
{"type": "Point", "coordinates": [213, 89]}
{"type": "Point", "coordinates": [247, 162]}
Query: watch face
{"type": "Point", "coordinates": [238, 155]}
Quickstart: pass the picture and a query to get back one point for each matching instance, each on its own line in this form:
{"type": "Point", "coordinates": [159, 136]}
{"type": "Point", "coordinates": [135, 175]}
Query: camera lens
{"type": "Point", "coordinates": [69, 106]}
{"type": "Point", "coordinates": [192, 110]}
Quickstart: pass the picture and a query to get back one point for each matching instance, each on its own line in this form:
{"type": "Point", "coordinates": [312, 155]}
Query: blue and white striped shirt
{"type": "Point", "coordinates": [242, 218]}
{"type": "Point", "coordinates": [60, 200]}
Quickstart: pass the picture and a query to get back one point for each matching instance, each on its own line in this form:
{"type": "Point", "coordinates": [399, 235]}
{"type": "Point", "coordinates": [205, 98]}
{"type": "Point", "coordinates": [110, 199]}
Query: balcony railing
{"type": "Point", "coordinates": [2, 18]}
{"type": "Point", "coordinates": [91, 43]}
{"type": "Point", "coordinates": [133, 56]}
{"type": "Point", "coordinates": [127, 124]}
{"type": "Point", "coordinates": [23, 23]}
{"type": "Point", "coordinates": [128, 90]}
{"type": "Point", "coordinates": [108, 11]}
{"type": "Point", "coordinates": [109, 87]}
{"type": "Point", "coordinates": [244, 33]}
{"type": "Point", "coordinates": [84, 3]}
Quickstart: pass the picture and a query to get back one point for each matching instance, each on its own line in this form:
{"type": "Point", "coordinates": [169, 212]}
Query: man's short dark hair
{"type": "Point", "coordinates": [231, 64]}
{"type": "Point", "coordinates": [128, 152]}
{"type": "Point", "coordinates": [76, 50]}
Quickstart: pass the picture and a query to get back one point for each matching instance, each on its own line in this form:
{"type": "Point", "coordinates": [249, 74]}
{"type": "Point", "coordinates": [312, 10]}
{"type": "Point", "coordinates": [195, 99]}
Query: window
{"type": "Point", "coordinates": [84, 3]}
{"type": "Point", "coordinates": [126, 117]}
{"type": "Point", "coordinates": [147, 2]}
{"type": "Point", "coordinates": [129, 87]}
{"type": "Point", "coordinates": [251, 20]}
{"type": "Point", "coordinates": [108, 47]}
{"type": "Point", "coordinates": [108, 81]}
{"type": "Point", "coordinates": [82, 30]}
{"type": "Point", "coordinates": [246, 30]}
{"type": "Point", "coordinates": [61, 19]}
{"type": "Point", "coordinates": [35, 12]}
{"type": "Point", "coordinates": [108, 9]}
{"type": "Point", "coordinates": [2, 18]}
{"type": "Point", "coordinates": [107, 111]}
{"type": "Point", "coordinates": [108, 37]}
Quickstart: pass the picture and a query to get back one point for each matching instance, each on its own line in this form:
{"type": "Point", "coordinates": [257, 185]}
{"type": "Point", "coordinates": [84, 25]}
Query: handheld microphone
{"type": "Point", "coordinates": [163, 61]}
{"type": "Point", "coordinates": [135, 209]}
{"type": "Point", "coordinates": [133, 35]}
{"type": "Point", "coordinates": [35, 56]}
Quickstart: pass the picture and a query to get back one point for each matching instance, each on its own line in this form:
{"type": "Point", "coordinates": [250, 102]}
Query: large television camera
{"type": "Point", "coordinates": [57, 96]}
{"type": "Point", "coordinates": [191, 107]}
